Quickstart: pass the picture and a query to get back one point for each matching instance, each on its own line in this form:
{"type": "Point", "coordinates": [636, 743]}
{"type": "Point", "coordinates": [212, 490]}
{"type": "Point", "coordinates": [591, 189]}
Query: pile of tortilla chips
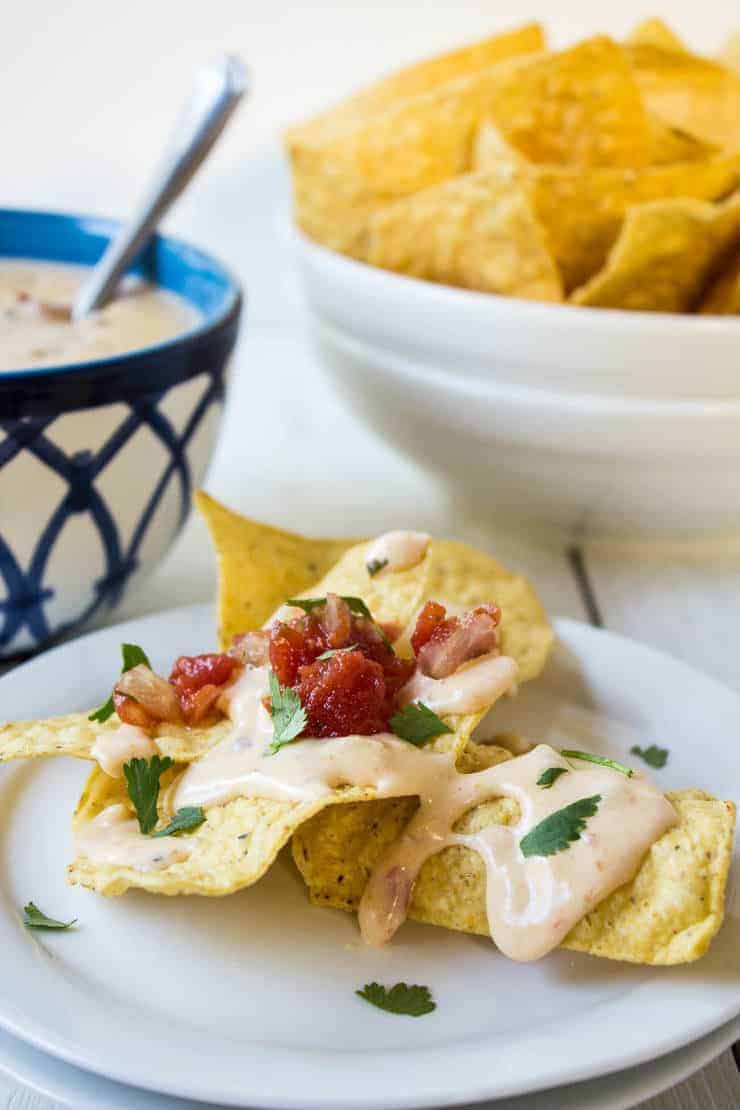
{"type": "Point", "coordinates": [667, 914]}
{"type": "Point", "coordinates": [607, 174]}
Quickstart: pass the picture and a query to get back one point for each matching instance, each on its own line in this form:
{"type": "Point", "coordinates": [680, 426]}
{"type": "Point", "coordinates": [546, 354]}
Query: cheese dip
{"type": "Point", "coordinates": [36, 329]}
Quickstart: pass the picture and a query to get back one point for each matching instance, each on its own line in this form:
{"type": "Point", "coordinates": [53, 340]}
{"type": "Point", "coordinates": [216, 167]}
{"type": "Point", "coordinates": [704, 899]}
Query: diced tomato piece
{"type": "Point", "coordinates": [458, 640]}
{"type": "Point", "coordinates": [430, 616]}
{"type": "Point", "coordinates": [344, 695]}
{"type": "Point", "coordinates": [198, 680]}
{"type": "Point", "coordinates": [131, 713]}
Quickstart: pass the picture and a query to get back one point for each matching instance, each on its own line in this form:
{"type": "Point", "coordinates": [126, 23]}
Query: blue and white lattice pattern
{"type": "Point", "coordinates": [90, 499]}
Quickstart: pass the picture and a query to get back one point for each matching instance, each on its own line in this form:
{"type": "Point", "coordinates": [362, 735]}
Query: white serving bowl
{"type": "Point", "coordinates": [411, 358]}
{"type": "Point", "coordinates": [502, 339]}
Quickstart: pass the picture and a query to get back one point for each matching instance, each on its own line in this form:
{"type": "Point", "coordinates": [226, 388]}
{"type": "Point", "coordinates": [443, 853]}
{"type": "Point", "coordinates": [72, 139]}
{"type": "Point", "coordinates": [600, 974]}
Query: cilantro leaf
{"type": "Point", "coordinates": [550, 775]}
{"type": "Point", "coordinates": [131, 655]}
{"type": "Point", "coordinates": [189, 817]}
{"type": "Point", "coordinates": [417, 724]}
{"type": "Point", "coordinates": [34, 918]}
{"type": "Point", "coordinates": [653, 756]}
{"type": "Point", "coordinates": [602, 760]}
{"type": "Point", "coordinates": [142, 779]}
{"type": "Point", "coordinates": [556, 833]}
{"type": "Point", "coordinates": [288, 715]}
{"type": "Point", "coordinates": [374, 566]}
{"type": "Point", "coordinates": [336, 651]}
{"type": "Point", "coordinates": [413, 1001]}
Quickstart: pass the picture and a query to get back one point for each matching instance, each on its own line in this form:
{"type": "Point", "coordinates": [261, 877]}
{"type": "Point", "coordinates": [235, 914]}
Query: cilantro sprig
{"type": "Point", "coordinates": [288, 715]}
{"type": "Point", "coordinates": [653, 756]}
{"type": "Point", "coordinates": [417, 723]}
{"type": "Point", "coordinates": [34, 918]}
{"type": "Point", "coordinates": [602, 760]}
{"type": "Point", "coordinates": [142, 780]}
{"type": "Point", "coordinates": [188, 817]}
{"type": "Point", "coordinates": [131, 656]}
{"type": "Point", "coordinates": [558, 831]}
{"type": "Point", "coordinates": [551, 775]}
{"type": "Point", "coordinates": [412, 1001]}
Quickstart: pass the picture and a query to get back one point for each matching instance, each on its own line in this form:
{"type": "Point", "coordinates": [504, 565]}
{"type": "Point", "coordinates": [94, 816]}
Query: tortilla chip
{"type": "Point", "coordinates": [451, 572]}
{"type": "Point", "coordinates": [655, 32]}
{"type": "Point", "coordinates": [260, 566]}
{"type": "Point", "coordinates": [664, 256]}
{"type": "Point", "coordinates": [478, 232]}
{"type": "Point", "coordinates": [577, 107]}
{"type": "Point", "coordinates": [723, 296]}
{"type": "Point", "coordinates": [581, 210]}
{"type": "Point", "coordinates": [692, 93]}
{"type": "Point", "coordinates": [729, 56]}
{"type": "Point", "coordinates": [232, 849]}
{"type": "Point", "coordinates": [671, 144]}
{"type": "Point", "coordinates": [420, 78]}
{"type": "Point", "coordinates": [674, 906]}
{"type": "Point", "coordinates": [667, 914]}
{"type": "Point", "coordinates": [75, 735]}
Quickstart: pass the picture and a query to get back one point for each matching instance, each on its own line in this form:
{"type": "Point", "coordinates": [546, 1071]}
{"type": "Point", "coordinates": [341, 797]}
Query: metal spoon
{"type": "Point", "coordinates": [218, 89]}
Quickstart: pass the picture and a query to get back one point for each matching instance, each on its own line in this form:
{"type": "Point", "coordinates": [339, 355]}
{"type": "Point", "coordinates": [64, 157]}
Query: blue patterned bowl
{"type": "Point", "coordinates": [98, 460]}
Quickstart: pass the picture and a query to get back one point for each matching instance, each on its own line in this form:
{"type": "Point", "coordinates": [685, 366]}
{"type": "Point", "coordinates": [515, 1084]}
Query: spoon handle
{"type": "Point", "coordinates": [218, 89]}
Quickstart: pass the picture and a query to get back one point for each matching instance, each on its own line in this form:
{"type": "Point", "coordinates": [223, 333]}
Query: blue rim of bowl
{"type": "Point", "coordinates": [157, 366]}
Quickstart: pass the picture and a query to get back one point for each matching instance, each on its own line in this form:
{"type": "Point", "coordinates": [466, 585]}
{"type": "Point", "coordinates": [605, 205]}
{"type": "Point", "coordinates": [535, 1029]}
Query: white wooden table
{"type": "Point", "coordinates": [89, 89]}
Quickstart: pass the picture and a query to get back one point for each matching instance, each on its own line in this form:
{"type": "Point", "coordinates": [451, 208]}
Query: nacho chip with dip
{"type": "Point", "coordinates": [664, 256]}
{"type": "Point", "coordinates": [393, 575]}
{"type": "Point", "coordinates": [666, 914]}
{"type": "Point", "coordinates": [76, 735]}
{"type": "Point", "coordinates": [477, 231]}
{"type": "Point", "coordinates": [351, 721]}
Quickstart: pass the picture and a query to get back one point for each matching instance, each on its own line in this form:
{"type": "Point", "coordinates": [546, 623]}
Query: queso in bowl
{"type": "Point", "coordinates": [105, 423]}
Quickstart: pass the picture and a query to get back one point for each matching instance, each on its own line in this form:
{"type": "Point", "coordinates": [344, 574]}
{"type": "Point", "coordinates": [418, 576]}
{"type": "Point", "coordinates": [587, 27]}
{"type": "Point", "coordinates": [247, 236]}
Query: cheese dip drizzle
{"type": "Point", "coordinates": [113, 837]}
{"type": "Point", "coordinates": [394, 551]}
{"type": "Point", "coordinates": [113, 749]}
{"type": "Point", "coordinates": [532, 901]}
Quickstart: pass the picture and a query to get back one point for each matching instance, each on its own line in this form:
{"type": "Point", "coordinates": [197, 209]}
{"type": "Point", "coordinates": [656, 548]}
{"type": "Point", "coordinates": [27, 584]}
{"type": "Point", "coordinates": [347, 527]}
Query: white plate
{"type": "Point", "coordinates": [81, 1090]}
{"type": "Point", "coordinates": [250, 1000]}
